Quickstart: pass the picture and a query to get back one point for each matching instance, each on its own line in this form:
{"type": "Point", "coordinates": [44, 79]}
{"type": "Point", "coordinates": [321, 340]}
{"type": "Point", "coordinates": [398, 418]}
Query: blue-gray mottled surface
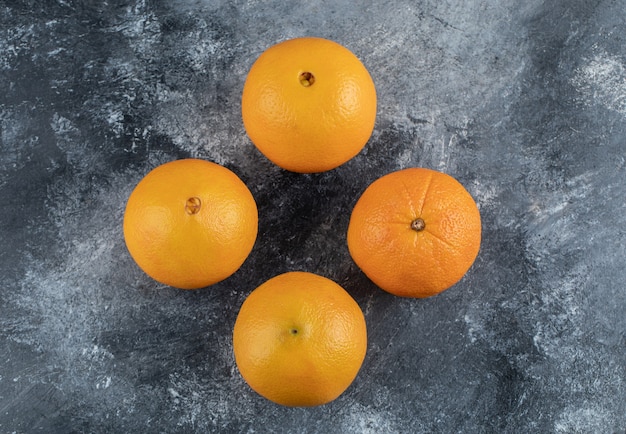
{"type": "Point", "coordinates": [523, 102]}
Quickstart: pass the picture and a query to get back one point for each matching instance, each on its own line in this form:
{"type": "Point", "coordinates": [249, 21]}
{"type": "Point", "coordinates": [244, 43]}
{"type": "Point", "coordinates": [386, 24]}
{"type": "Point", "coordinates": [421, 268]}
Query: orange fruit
{"type": "Point", "coordinates": [190, 223]}
{"type": "Point", "coordinates": [308, 104]}
{"type": "Point", "coordinates": [299, 339]}
{"type": "Point", "coordinates": [415, 232]}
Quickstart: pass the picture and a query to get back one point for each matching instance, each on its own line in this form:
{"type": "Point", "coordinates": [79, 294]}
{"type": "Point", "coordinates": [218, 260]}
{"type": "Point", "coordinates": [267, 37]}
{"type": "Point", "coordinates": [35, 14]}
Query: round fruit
{"type": "Point", "coordinates": [415, 232]}
{"type": "Point", "coordinates": [308, 104]}
{"type": "Point", "coordinates": [190, 223]}
{"type": "Point", "coordinates": [299, 339]}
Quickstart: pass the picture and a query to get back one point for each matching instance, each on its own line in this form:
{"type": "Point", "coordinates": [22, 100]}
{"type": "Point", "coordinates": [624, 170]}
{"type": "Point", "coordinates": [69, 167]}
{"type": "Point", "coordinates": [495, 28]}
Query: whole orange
{"type": "Point", "coordinates": [190, 223]}
{"type": "Point", "coordinates": [415, 232]}
{"type": "Point", "coordinates": [299, 339]}
{"type": "Point", "coordinates": [308, 104]}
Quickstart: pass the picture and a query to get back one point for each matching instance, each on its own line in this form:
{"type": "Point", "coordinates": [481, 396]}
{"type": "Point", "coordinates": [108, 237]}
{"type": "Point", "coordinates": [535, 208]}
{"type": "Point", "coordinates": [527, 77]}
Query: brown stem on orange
{"type": "Point", "coordinates": [192, 206]}
{"type": "Point", "coordinates": [418, 225]}
{"type": "Point", "coordinates": [306, 79]}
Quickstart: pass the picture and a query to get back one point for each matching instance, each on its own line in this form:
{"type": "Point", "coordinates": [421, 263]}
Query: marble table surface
{"type": "Point", "coordinates": [523, 102]}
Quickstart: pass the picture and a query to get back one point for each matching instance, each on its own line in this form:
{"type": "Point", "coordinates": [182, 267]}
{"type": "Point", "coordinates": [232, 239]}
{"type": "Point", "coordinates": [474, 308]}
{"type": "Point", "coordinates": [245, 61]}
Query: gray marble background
{"type": "Point", "coordinates": [523, 102]}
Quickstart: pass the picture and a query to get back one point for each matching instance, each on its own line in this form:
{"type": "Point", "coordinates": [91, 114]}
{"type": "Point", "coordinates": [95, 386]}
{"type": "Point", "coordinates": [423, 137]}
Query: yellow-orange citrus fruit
{"type": "Point", "coordinates": [299, 339]}
{"type": "Point", "coordinates": [415, 232]}
{"type": "Point", "coordinates": [308, 104]}
{"type": "Point", "coordinates": [190, 223]}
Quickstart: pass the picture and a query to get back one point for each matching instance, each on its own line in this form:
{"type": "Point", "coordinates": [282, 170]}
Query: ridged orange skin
{"type": "Point", "coordinates": [413, 261]}
{"type": "Point", "coordinates": [304, 127]}
{"type": "Point", "coordinates": [190, 245]}
{"type": "Point", "coordinates": [299, 339]}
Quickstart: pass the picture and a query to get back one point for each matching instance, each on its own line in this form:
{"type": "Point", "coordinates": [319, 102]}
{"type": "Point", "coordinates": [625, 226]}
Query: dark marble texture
{"type": "Point", "coordinates": [523, 102]}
